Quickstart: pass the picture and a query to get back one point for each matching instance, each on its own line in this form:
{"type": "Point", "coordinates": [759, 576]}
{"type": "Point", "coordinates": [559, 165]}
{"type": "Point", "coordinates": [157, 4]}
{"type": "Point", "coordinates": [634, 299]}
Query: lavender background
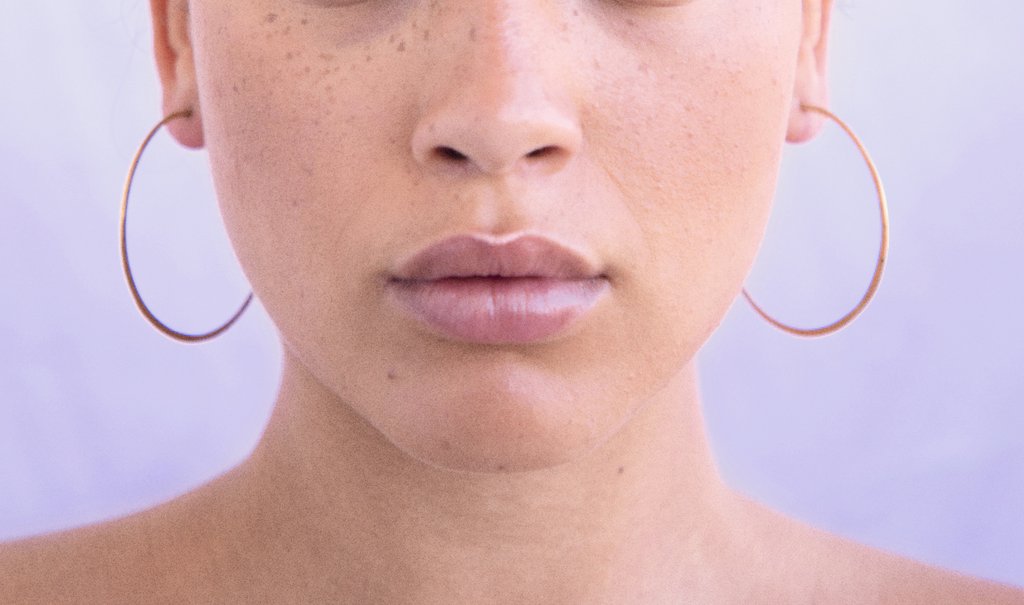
{"type": "Point", "coordinates": [904, 431]}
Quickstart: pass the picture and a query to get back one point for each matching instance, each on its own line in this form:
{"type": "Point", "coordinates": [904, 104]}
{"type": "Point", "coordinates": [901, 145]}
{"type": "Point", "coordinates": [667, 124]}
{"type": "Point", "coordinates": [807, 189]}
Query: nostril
{"type": "Point", "coordinates": [449, 153]}
{"type": "Point", "coordinates": [543, 151]}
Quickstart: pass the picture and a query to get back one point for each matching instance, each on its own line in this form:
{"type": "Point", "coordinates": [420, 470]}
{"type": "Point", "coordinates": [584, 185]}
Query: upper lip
{"type": "Point", "coordinates": [488, 256]}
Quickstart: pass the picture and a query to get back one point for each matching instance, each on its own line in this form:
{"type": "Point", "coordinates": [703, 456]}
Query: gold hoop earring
{"type": "Point", "coordinates": [159, 325]}
{"type": "Point", "coordinates": [883, 253]}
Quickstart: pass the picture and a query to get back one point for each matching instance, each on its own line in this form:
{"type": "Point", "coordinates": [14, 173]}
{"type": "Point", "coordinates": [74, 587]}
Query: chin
{"type": "Point", "coordinates": [520, 423]}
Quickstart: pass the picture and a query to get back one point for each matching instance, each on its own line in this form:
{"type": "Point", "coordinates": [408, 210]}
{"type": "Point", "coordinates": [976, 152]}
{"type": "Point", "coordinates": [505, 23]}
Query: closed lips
{"type": "Point", "coordinates": [471, 289]}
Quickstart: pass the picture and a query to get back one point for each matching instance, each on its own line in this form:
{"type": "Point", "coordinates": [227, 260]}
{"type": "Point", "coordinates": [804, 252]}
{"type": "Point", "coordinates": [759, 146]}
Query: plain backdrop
{"type": "Point", "coordinates": [904, 431]}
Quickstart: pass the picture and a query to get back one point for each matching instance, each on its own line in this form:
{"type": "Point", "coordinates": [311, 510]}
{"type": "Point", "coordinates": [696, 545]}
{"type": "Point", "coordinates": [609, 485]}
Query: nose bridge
{"type": "Point", "coordinates": [502, 52]}
{"type": "Point", "coordinates": [502, 103]}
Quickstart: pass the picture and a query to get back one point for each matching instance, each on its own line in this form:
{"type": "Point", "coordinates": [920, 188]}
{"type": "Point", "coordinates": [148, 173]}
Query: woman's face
{"type": "Point", "coordinates": [346, 136]}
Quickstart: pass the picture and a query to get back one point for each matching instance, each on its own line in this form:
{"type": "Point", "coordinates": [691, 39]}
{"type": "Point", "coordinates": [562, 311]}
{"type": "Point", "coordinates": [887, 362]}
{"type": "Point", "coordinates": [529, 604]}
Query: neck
{"type": "Point", "coordinates": [643, 509]}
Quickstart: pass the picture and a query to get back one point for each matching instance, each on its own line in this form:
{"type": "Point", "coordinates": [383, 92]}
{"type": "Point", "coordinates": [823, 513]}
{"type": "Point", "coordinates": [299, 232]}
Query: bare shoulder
{"type": "Point", "coordinates": [96, 564]}
{"type": "Point", "coordinates": [150, 557]}
{"type": "Point", "coordinates": [905, 581]}
{"type": "Point", "coordinates": [830, 569]}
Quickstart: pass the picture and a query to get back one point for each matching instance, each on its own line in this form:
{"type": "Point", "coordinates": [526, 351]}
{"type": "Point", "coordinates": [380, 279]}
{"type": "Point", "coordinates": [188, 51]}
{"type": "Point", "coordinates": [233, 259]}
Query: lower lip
{"type": "Point", "coordinates": [501, 310]}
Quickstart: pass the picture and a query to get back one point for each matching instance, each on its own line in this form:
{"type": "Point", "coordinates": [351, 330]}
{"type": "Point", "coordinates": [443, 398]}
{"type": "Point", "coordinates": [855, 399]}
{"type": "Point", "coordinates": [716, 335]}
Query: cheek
{"type": "Point", "coordinates": [280, 116]}
{"type": "Point", "coordinates": [691, 125]}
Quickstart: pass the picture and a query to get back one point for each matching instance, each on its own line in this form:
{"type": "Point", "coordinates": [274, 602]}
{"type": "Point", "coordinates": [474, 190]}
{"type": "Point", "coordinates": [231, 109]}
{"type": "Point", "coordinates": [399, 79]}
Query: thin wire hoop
{"type": "Point", "coordinates": [883, 252]}
{"type": "Point", "coordinates": [159, 325]}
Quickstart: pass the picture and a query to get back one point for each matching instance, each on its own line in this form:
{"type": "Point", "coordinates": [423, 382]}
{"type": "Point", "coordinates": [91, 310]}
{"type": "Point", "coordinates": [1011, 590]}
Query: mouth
{"type": "Point", "coordinates": [482, 290]}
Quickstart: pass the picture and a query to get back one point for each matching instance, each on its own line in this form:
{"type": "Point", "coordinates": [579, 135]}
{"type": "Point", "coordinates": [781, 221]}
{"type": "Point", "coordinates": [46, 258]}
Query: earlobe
{"type": "Point", "coordinates": [812, 70]}
{"type": "Point", "coordinates": [172, 47]}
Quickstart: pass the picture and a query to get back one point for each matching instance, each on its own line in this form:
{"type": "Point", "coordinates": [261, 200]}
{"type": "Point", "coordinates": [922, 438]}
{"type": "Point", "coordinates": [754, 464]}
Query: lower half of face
{"type": "Point", "coordinates": [346, 137]}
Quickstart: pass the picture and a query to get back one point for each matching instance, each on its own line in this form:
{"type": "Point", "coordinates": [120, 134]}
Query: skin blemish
{"type": "Point", "coordinates": [472, 33]}
{"type": "Point", "coordinates": [270, 18]}
{"type": "Point", "coordinates": [326, 56]}
{"type": "Point", "coordinates": [393, 375]}
{"type": "Point", "coordinates": [401, 47]}
{"type": "Point", "coordinates": [622, 469]}
{"type": "Point", "coordinates": [304, 21]}
{"type": "Point", "coordinates": [426, 34]}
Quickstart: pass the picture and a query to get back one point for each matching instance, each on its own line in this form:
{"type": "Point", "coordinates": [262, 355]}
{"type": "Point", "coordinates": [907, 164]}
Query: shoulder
{"type": "Point", "coordinates": [883, 577]}
{"type": "Point", "coordinates": [819, 567]}
{"type": "Point", "coordinates": [156, 556]}
{"type": "Point", "coordinates": [905, 581]}
{"type": "Point", "coordinates": [97, 564]}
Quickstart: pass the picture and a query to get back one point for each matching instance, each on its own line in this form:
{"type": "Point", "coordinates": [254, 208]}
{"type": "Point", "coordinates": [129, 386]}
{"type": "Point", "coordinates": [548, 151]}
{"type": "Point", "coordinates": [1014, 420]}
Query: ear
{"type": "Point", "coordinates": [811, 81]}
{"type": "Point", "coordinates": [172, 45]}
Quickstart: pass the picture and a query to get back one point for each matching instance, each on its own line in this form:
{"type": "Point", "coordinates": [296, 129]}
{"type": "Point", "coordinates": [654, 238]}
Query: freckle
{"type": "Point", "coordinates": [234, 87]}
{"type": "Point", "coordinates": [327, 56]}
{"type": "Point", "coordinates": [401, 47]}
{"type": "Point", "coordinates": [392, 39]}
{"type": "Point", "coordinates": [575, 12]}
{"type": "Point", "coordinates": [304, 21]}
{"type": "Point", "coordinates": [630, 22]}
{"type": "Point", "coordinates": [307, 69]}
{"type": "Point", "coordinates": [446, 445]}
{"type": "Point", "coordinates": [392, 374]}
{"type": "Point", "coordinates": [289, 56]}
{"type": "Point", "coordinates": [501, 467]}
{"type": "Point", "coordinates": [426, 34]}
{"type": "Point", "coordinates": [369, 58]}
{"type": "Point", "coordinates": [270, 18]}
{"type": "Point", "coordinates": [287, 30]}
{"type": "Point", "coordinates": [472, 33]}
{"type": "Point", "coordinates": [622, 469]}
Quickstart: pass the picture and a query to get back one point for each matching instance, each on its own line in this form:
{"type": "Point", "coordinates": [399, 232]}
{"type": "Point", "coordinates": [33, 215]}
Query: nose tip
{"type": "Point", "coordinates": [467, 137]}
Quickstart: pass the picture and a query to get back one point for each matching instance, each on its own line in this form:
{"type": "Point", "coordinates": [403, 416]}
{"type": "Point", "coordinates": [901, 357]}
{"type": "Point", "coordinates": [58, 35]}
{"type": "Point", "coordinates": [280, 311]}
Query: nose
{"type": "Point", "coordinates": [504, 106]}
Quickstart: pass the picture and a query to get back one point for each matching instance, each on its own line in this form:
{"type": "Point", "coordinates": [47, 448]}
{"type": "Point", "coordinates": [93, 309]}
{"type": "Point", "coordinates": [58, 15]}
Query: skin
{"type": "Point", "coordinates": [400, 467]}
